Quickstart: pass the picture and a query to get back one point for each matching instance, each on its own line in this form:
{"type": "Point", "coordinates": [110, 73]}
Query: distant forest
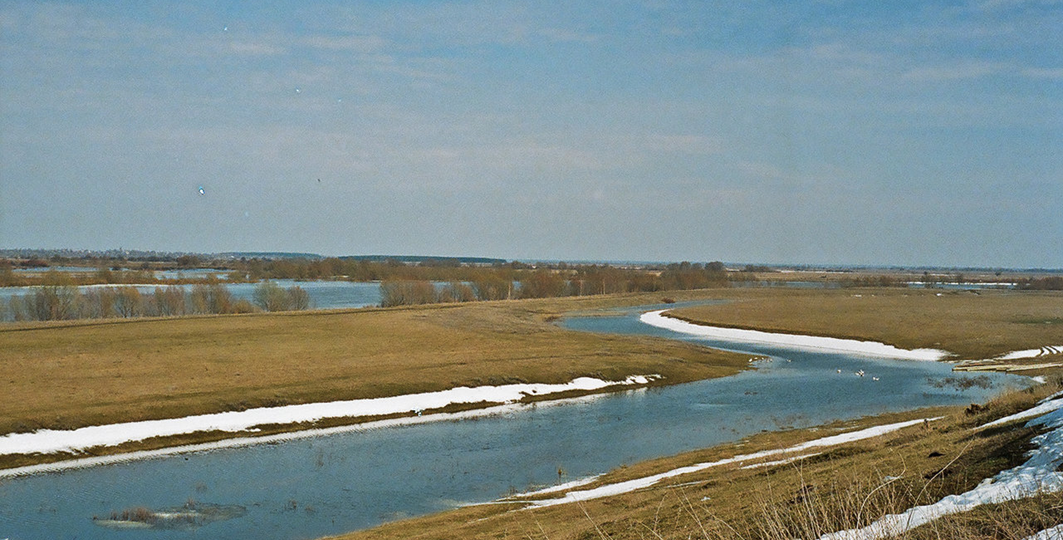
{"type": "Point", "coordinates": [402, 282]}
{"type": "Point", "coordinates": [57, 296]}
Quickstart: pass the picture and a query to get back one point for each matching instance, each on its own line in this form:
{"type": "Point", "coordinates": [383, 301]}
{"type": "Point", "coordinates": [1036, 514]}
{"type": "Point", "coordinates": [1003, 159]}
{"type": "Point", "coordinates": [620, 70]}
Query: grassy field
{"type": "Point", "coordinates": [87, 373]}
{"type": "Point", "coordinates": [969, 325]}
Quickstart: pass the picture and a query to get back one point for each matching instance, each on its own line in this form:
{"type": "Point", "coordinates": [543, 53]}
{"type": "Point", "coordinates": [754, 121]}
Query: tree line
{"type": "Point", "coordinates": [65, 301]}
{"type": "Point", "coordinates": [106, 272]}
{"type": "Point", "coordinates": [1052, 283]}
{"type": "Point", "coordinates": [553, 282]}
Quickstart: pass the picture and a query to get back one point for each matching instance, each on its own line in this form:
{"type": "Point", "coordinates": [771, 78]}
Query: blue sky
{"type": "Point", "coordinates": [830, 132]}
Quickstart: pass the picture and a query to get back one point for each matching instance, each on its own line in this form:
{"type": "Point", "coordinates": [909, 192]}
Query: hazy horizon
{"type": "Point", "coordinates": [821, 133]}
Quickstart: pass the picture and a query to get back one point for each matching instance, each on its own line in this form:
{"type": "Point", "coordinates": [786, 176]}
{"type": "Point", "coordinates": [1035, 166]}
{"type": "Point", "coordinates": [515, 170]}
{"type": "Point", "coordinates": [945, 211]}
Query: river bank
{"type": "Point", "coordinates": [484, 399]}
{"type": "Point", "coordinates": [802, 483]}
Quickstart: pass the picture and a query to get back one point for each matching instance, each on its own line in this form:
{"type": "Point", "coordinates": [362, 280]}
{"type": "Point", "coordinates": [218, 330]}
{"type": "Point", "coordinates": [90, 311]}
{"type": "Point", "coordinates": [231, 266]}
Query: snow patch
{"type": "Point", "coordinates": [1055, 533]}
{"type": "Point", "coordinates": [560, 487]}
{"type": "Point", "coordinates": [796, 341]}
{"type": "Point", "coordinates": [1033, 353]}
{"type": "Point", "coordinates": [52, 441]}
{"type": "Point", "coordinates": [238, 442]}
{"type": "Point", "coordinates": [780, 462]}
{"type": "Point", "coordinates": [639, 483]}
{"type": "Point", "coordinates": [1037, 475]}
{"type": "Point", "coordinates": [1042, 408]}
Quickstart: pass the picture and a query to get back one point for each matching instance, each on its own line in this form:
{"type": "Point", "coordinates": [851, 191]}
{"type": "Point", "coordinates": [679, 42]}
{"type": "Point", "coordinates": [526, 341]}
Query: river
{"type": "Point", "coordinates": [327, 485]}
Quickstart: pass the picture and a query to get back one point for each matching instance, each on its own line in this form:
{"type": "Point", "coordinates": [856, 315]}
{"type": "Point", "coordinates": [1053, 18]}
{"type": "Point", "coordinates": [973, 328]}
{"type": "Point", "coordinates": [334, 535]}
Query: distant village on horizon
{"type": "Point", "coordinates": [34, 256]}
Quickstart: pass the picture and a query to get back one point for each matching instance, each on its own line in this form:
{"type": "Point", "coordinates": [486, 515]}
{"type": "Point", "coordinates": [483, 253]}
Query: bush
{"type": "Point", "coordinates": [271, 297]}
{"type": "Point", "coordinates": [407, 293]}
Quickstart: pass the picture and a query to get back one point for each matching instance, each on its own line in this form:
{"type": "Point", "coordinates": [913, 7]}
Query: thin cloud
{"type": "Point", "coordinates": [560, 35]}
{"type": "Point", "coordinates": [686, 144]}
{"type": "Point", "coordinates": [1009, 4]}
{"type": "Point", "coordinates": [954, 72]}
{"type": "Point", "coordinates": [1044, 73]}
{"type": "Point", "coordinates": [250, 48]}
{"type": "Point", "coordinates": [361, 44]}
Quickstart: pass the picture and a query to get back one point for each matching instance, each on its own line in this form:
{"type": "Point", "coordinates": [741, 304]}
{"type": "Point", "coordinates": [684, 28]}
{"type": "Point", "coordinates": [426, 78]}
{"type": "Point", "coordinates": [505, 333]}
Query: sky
{"type": "Point", "coordinates": [818, 132]}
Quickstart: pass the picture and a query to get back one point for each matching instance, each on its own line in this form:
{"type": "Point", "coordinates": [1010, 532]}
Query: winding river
{"type": "Point", "coordinates": [313, 487]}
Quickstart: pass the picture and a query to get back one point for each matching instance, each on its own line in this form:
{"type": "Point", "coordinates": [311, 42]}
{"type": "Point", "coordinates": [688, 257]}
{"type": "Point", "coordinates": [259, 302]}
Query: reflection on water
{"type": "Point", "coordinates": [315, 487]}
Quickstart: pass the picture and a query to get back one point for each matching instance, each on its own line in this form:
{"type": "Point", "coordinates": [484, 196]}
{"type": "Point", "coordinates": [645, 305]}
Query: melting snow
{"type": "Point", "coordinates": [1037, 475]}
{"type": "Point", "coordinates": [239, 442]}
{"type": "Point", "coordinates": [815, 343]}
{"type": "Point", "coordinates": [609, 490]}
{"type": "Point", "coordinates": [1045, 406]}
{"type": "Point", "coordinates": [51, 441]}
{"type": "Point", "coordinates": [1033, 353]}
{"type": "Point", "coordinates": [780, 462]}
{"type": "Point", "coordinates": [1055, 533]}
{"type": "Point", "coordinates": [560, 487]}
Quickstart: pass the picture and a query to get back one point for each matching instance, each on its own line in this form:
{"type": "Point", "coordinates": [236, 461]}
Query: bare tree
{"type": "Point", "coordinates": [169, 301]}
{"type": "Point", "coordinates": [407, 293]}
{"type": "Point", "coordinates": [128, 302]}
{"type": "Point", "coordinates": [457, 291]}
{"type": "Point", "coordinates": [298, 298]}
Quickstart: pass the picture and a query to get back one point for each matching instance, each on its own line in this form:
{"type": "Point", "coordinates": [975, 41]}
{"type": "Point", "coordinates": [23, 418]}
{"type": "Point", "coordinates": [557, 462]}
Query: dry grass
{"type": "Point", "coordinates": [967, 324]}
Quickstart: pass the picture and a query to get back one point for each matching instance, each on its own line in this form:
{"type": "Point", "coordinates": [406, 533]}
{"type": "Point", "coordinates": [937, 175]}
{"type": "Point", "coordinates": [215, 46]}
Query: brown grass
{"type": "Point", "coordinates": [76, 374]}
{"type": "Point", "coordinates": [967, 324]}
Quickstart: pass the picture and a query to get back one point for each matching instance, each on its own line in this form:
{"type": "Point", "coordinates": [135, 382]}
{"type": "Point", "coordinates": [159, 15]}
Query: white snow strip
{"type": "Point", "coordinates": [560, 487]}
{"type": "Point", "coordinates": [1042, 408]}
{"type": "Point", "coordinates": [609, 490]}
{"type": "Point", "coordinates": [796, 341]}
{"type": "Point", "coordinates": [238, 442]}
{"type": "Point", "coordinates": [1055, 533]}
{"type": "Point", "coordinates": [51, 441]}
{"type": "Point", "coordinates": [1033, 353]}
{"type": "Point", "coordinates": [1038, 475]}
{"type": "Point", "coordinates": [971, 284]}
{"type": "Point", "coordinates": [780, 462]}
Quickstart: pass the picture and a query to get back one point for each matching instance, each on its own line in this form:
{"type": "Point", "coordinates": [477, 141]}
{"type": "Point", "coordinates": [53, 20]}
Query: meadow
{"type": "Point", "coordinates": [973, 324]}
